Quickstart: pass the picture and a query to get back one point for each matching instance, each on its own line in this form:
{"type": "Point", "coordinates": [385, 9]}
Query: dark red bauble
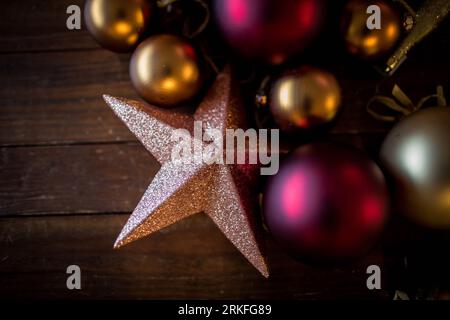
{"type": "Point", "coordinates": [327, 203]}
{"type": "Point", "coordinates": [269, 30]}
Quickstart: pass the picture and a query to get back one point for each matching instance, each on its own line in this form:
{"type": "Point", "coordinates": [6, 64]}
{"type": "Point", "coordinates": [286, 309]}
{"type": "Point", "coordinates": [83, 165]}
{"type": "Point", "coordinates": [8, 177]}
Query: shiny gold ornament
{"type": "Point", "coordinates": [416, 156]}
{"type": "Point", "coordinates": [429, 16]}
{"type": "Point", "coordinates": [369, 43]}
{"type": "Point", "coordinates": [304, 98]}
{"type": "Point", "coordinates": [117, 24]}
{"type": "Point", "coordinates": [165, 70]}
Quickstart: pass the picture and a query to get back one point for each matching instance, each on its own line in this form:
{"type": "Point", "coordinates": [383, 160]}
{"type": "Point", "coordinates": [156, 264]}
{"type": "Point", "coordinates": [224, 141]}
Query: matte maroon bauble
{"type": "Point", "coordinates": [269, 30]}
{"type": "Point", "coordinates": [327, 203]}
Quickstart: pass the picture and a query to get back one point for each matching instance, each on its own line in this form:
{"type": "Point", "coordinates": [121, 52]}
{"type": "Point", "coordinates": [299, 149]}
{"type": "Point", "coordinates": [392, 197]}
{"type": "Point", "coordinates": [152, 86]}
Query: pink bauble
{"type": "Point", "coordinates": [327, 203]}
{"type": "Point", "coordinates": [269, 30]}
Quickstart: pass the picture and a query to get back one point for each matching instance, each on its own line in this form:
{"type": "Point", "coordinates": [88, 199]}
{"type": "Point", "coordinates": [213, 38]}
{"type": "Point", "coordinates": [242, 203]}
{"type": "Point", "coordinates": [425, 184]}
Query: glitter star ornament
{"type": "Point", "coordinates": [224, 192]}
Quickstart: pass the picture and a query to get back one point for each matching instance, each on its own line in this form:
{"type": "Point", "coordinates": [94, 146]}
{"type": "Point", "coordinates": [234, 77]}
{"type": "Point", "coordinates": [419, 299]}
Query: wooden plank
{"type": "Point", "coordinates": [74, 179]}
{"type": "Point", "coordinates": [58, 204]}
{"type": "Point", "coordinates": [188, 260]}
{"type": "Point", "coordinates": [55, 98]}
{"type": "Point", "coordinates": [30, 25]}
{"type": "Point", "coordinates": [49, 98]}
{"type": "Point", "coordinates": [88, 178]}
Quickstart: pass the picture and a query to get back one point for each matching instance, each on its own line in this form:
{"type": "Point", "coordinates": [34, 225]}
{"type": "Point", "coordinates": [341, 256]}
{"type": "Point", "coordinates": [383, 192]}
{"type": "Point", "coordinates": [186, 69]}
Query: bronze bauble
{"type": "Point", "coordinates": [117, 25]}
{"type": "Point", "coordinates": [369, 43]}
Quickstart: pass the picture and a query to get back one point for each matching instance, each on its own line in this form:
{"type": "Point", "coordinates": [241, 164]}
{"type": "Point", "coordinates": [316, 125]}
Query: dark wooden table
{"type": "Point", "coordinates": [71, 173]}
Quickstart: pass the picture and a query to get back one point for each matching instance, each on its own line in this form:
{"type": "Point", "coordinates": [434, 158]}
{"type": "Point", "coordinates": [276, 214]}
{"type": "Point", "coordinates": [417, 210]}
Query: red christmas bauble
{"type": "Point", "coordinates": [327, 203]}
{"type": "Point", "coordinates": [269, 30]}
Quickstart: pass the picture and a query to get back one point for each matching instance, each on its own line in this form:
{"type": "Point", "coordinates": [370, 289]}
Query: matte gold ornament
{"type": "Point", "coordinates": [117, 24]}
{"type": "Point", "coordinates": [304, 98]}
{"type": "Point", "coordinates": [416, 156]}
{"type": "Point", "coordinates": [165, 70]}
{"type": "Point", "coordinates": [226, 193]}
{"type": "Point", "coordinates": [369, 43]}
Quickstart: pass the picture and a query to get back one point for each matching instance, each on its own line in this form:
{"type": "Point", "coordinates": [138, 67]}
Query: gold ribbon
{"type": "Point", "coordinates": [401, 104]}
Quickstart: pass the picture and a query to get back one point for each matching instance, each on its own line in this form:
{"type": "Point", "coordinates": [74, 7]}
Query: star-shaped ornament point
{"type": "Point", "coordinates": [224, 192]}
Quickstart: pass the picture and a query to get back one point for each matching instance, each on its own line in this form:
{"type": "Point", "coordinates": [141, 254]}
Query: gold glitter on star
{"type": "Point", "coordinates": [226, 193]}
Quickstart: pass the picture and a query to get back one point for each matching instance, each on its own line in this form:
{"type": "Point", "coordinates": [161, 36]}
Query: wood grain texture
{"type": "Point", "coordinates": [56, 97]}
{"type": "Point", "coordinates": [39, 92]}
{"type": "Point", "coordinates": [70, 174]}
{"type": "Point", "coordinates": [74, 179]}
{"type": "Point", "coordinates": [188, 260]}
{"type": "Point", "coordinates": [30, 25]}
{"type": "Point", "coordinates": [94, 178]}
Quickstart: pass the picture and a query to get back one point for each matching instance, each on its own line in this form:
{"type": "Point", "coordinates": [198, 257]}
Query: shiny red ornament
{"type": "Point", "coordinates": [269, 30]}
{"type": "Point", "coordinates": [328, 203]}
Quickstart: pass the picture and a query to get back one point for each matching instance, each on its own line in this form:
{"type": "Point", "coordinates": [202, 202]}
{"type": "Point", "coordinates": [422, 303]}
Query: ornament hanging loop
{"type": "Point", "coordinates": [262, 117]}
{"type": "Point", "coordinates": [262, 94]}
{"type": "Point", "coordinates": [207, 15]}
{"type": "Point", "coordinates": [409, 18]}
{"type": "Point", "coordinates": [407, 7]}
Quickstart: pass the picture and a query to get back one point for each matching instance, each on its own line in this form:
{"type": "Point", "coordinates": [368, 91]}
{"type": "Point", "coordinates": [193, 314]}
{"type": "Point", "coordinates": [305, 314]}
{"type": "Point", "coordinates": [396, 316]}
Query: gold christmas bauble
{"type": "Point", "coordinates": [166, 70]}
{"type": "Point", "coordinates": [117, 24]}
{"type": "Point", "coordinates": [369, 43]}
{"type": "Point", "coordinates": [304, 98]}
